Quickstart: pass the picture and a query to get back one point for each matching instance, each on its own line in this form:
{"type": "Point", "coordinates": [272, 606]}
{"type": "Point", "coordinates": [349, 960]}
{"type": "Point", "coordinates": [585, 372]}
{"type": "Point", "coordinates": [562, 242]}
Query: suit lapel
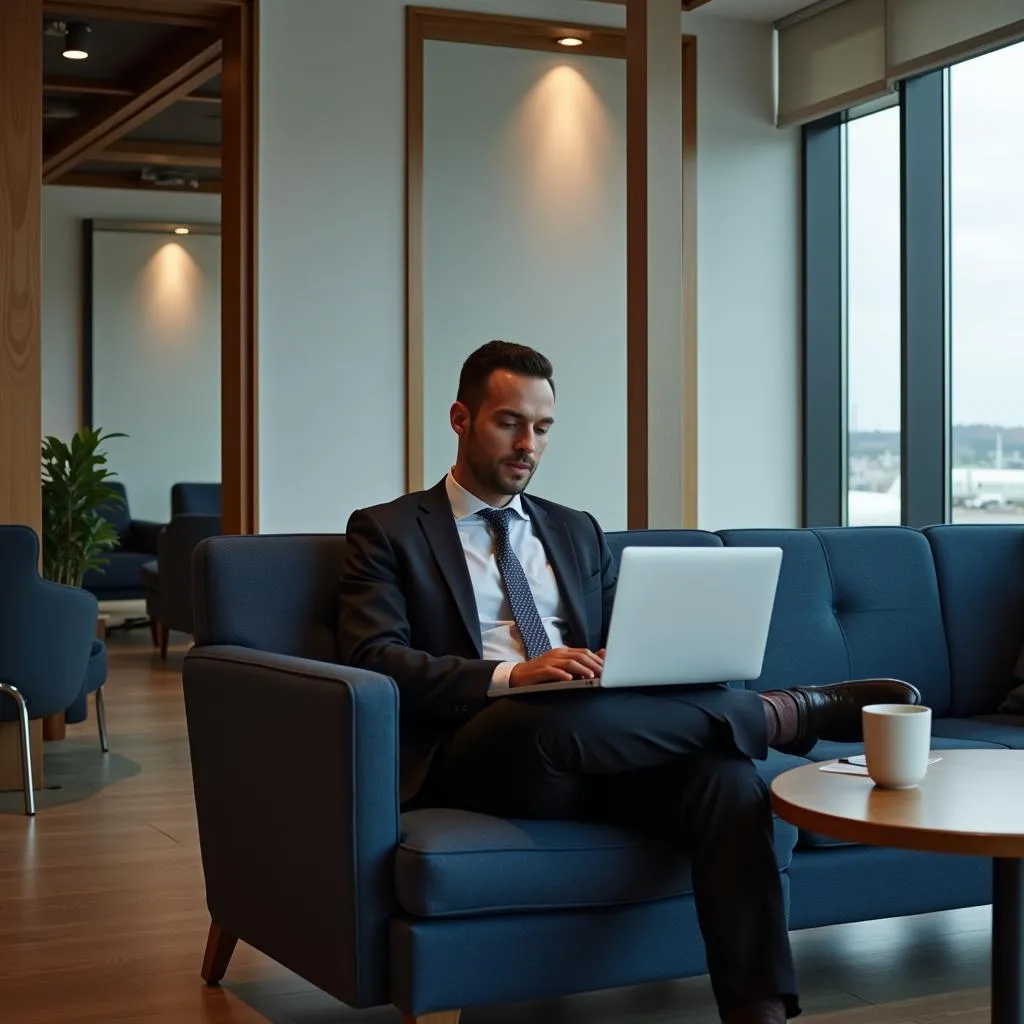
{"type": "Point", "coordinates": [558, 545]}
{"type": "Point", "coordinates": [442, 534]}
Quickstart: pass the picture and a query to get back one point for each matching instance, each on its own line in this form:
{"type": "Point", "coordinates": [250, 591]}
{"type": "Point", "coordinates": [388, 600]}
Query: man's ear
{"type": "Point", "coordinates": [460, 418]}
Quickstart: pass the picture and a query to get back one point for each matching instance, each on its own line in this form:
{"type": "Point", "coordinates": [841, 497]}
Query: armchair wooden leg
{"type": "Point", "coordinates": [219, 947]}
{"type": "Point", "coordinates": [441, 1017]}
{"type": "Point", "coordinates": [162, 631]}
{"type": "Point", "coordinates": [154, 632]}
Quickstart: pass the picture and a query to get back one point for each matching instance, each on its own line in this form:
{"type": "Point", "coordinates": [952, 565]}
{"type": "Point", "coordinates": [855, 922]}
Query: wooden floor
{"type": "Point", "coordinates": [102, 916]}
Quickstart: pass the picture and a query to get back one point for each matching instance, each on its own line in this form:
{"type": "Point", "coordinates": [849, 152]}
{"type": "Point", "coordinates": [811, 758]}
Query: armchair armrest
{"type": "Point", "coordinates": [143, 536]}
{"type": "Point", "coordinates": [295, 771]}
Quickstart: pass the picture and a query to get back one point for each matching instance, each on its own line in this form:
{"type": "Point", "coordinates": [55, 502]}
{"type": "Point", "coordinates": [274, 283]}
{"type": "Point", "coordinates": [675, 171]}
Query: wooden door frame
{"type": "Point", "coordinates": [237, 23]}
{"type": "Point", "coordinates": [446, 25]}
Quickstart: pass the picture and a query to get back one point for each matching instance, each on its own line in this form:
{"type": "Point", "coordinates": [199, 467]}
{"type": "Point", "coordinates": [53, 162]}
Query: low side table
{"type": "Point", "coordinates": [972, 802]}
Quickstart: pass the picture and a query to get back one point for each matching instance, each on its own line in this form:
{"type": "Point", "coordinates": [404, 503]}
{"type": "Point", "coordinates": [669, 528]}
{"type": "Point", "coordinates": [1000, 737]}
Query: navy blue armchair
{"type": "Point", "coordinates": [47, 638]}
{"type": "Point", "coordinates": [121, 578]}
{"type": "Point", "coordinates": [200, 498]}
{"type": "Point", "coordinates": [168, 580]}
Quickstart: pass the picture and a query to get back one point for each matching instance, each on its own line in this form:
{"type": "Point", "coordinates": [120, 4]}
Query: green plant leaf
{"type": "Point", "coordinates": [75, 533]}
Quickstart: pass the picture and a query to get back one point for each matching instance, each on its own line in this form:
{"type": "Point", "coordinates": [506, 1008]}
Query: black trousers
{"type": "Point", "coordinates": [668, 761]}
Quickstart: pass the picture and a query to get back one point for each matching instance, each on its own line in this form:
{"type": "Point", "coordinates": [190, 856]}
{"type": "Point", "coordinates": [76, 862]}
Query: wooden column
{"type": "Point", "coordinates": [21, 119]}
{"type": "Point", "coordinates": [660, 442]}
{"type": "Point", "coordinates": [239, 449]}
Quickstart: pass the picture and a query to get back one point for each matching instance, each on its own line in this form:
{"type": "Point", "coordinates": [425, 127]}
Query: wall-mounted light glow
{"type": "Point", "coordinates": [181, 231]}
{"type": "Point", "coordinates": [570, 41]}
{"type": "Point", "coordinates": [76, 44]}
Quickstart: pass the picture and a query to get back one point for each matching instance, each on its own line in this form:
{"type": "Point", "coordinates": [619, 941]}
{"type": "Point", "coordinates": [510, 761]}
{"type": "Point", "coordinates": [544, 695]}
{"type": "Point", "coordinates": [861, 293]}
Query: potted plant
{"type": "Point", "coordinates": [75, 533]}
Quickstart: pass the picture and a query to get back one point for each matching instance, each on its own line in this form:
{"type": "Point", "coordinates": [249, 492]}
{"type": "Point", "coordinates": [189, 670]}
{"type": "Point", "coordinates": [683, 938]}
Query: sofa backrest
{"type": "Point", "coordinates": [269, 592]}
{"type": "Point", "coordinates": [980, 571]}
{"type": "Point", "coordinates": [619, 539]}
{"type": "Point", "coordinates": [117, 511]}
{"type": "Point", "coordinates": [200, 499]}
{"type": "Point", "coordinates": [853, 604]}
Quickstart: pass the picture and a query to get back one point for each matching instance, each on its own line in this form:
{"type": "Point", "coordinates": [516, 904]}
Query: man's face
{"type": "Point", "coordinates": [501, 444]}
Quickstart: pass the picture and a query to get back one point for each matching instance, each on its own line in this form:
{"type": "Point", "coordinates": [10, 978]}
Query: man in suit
{"type": "Point", "coordinates": [468, 590]}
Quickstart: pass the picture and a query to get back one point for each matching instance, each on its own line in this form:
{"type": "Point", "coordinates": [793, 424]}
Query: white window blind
{"type": "Point", "coordinates": [857, 50]}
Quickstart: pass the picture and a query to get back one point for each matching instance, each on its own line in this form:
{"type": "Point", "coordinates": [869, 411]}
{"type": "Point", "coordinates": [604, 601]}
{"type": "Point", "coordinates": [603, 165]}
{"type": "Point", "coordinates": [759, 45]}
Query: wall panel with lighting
{"type": "Point", "coordinates": [152, 354]}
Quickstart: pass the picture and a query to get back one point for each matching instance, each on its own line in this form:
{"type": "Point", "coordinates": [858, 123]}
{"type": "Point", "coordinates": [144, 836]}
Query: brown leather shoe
{"type": "Point", "coordinates": [833, 712]}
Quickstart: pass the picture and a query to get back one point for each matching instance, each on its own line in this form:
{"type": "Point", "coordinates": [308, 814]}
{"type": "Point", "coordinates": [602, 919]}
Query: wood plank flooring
{"type": "Point", "coordinates": [102, 913]}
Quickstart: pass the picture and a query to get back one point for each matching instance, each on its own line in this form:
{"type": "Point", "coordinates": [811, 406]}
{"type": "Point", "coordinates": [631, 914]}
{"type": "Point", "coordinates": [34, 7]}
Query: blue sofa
{"type": "Point", "coordinates": [296, 778]}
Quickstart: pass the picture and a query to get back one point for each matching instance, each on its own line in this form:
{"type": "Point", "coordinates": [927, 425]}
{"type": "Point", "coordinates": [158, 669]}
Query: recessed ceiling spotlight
{"type": "Point", "coordinates": [570, 41]}
{"type": "Point", "coordinates": [181, 231]}
{"type": "Point", "coordinates": [76, 40]}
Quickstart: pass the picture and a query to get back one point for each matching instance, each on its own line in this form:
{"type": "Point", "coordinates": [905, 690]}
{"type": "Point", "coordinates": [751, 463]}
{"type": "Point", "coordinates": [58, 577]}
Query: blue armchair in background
{"type": "Point", "coordinates": [121, 578]}
{"type": "Point", "coordinates": [47, 643]}
{"type": "Point", "coordinates": [168, 580]}
{"type": "Point", "coordinates": [201, 499]}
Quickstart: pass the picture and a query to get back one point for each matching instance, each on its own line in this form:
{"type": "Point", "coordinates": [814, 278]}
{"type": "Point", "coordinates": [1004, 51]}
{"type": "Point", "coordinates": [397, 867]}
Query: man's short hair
{"type": "Point", "coordinates": [499, 355]}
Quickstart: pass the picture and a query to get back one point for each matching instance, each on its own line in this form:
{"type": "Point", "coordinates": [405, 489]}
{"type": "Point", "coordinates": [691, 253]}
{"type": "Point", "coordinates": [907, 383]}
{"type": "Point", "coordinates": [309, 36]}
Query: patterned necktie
{"type": "Point", "coordinates": [517, 586]}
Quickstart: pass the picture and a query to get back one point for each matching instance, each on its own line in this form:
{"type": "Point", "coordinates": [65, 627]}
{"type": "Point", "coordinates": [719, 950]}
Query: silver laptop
{"type": "Point", "coordinates": [685, 616]}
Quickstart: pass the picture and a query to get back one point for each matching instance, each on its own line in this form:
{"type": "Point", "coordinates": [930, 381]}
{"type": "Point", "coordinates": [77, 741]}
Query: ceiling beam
{"type": "Point", "coordinates": [159, 154]}
{"type": "Point", "coordinates": [90, 179]}
{"type": "Point", "coordinates": [687, 5]}
{"type": "Point", "coordinates": [187, 13]}
{"type": "Point", "coordinates": [162, 83]}
{"type": "Point", "coordinates": [68, 86]}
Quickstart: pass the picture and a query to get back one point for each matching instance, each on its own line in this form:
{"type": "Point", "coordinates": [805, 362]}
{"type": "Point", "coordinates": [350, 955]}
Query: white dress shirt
{"type": "Point", "coordinates": [498, 631]}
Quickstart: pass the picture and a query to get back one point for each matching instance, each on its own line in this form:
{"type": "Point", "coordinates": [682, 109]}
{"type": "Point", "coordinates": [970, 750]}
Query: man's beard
{"type": "Point", "coordinates": [489, 474]}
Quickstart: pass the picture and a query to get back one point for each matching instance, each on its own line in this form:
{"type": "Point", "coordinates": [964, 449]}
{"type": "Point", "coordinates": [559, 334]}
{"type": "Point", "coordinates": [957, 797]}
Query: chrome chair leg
{"type": "Point", "coordinates": [101, 719]}
{"type": "Point", "coordinates": [26, 745]}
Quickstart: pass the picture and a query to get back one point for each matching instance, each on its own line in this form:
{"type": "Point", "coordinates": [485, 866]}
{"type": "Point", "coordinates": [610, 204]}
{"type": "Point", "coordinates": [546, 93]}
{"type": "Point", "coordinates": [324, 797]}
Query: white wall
{"type": "Point", "coordinates": [525, 240]}
{"type": "Point", "coordinates": [156, 361]}
{"type": "Point", "coordinates": [749, 285]}
{"type": "Point", "coordinates": [64, 209]}
{"type": "Point", "coordinates": [332, 393]}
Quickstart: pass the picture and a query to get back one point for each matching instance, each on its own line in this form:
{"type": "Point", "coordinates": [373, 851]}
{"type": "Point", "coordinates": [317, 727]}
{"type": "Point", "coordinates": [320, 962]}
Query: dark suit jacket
{"type": "Point", "coordinates": [407, 609]}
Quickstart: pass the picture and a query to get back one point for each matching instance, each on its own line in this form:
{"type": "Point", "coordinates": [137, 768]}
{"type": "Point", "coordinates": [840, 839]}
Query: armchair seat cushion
{"type": "Point", "coordinates": [453, 863]}
{"type": "Point", "coordinates": [121, 576]}
{"type": "Point", "coordinates": [95, 677]}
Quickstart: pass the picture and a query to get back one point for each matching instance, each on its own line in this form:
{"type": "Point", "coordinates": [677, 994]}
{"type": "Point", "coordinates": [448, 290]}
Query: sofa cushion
{"type": "Point", "coordinates": [1003, 730]}
{"type": "Point", "coordinates": [619, 539]}
{"type": "Point", "coordinates": [980, 571]}
{"type": "Point", "coordinates": [121, 574]}
{"type": "Point", "coordinates": [448, 862]}
{"type": "Point", "coordinates": [854, 604]}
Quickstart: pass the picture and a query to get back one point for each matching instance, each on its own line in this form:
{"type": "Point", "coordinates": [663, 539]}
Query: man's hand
{"type": "Point", "coordinates": [558, 666]}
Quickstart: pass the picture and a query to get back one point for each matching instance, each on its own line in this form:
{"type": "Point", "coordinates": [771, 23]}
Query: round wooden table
{"type": "Point", "coordinates": [971, 802]}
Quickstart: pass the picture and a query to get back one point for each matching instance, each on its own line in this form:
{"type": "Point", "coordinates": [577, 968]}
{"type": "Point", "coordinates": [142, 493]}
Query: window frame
{"type": "Point", "coordinates": [925, 328]}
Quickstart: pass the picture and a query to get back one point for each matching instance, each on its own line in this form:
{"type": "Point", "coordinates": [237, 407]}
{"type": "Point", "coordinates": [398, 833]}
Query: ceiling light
{"type": "Point", "coordinates": [76, 40]}
{"type": "Point", "coordinates": [181, 231]}
{"type": "Point", "coordinates": [570, 41]}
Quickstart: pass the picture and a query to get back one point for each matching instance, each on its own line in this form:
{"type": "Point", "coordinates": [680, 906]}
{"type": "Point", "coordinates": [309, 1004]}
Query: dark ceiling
{"type": "Point", "coordinates": [178, 144]}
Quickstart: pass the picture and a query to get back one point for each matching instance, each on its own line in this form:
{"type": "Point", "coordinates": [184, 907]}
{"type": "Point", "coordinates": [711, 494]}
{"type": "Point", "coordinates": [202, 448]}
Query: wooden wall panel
{"type": "Point", "coordinates": [21, 77]}
{"type": "Point", "coordinates": [239, 147]}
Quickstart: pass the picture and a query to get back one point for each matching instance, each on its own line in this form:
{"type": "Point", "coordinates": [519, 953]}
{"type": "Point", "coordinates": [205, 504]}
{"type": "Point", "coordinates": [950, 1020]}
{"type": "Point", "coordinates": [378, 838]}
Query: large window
{"type": "Point", "coordinates": [986, 104]}
{"type": "Point", "coordinates": [873, 317]}
{"type": "Point", "coordinates": [914, 302]}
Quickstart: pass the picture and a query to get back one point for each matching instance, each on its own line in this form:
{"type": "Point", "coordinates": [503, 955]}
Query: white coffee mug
{"type": "Point", "coordinates": [897, 742]}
